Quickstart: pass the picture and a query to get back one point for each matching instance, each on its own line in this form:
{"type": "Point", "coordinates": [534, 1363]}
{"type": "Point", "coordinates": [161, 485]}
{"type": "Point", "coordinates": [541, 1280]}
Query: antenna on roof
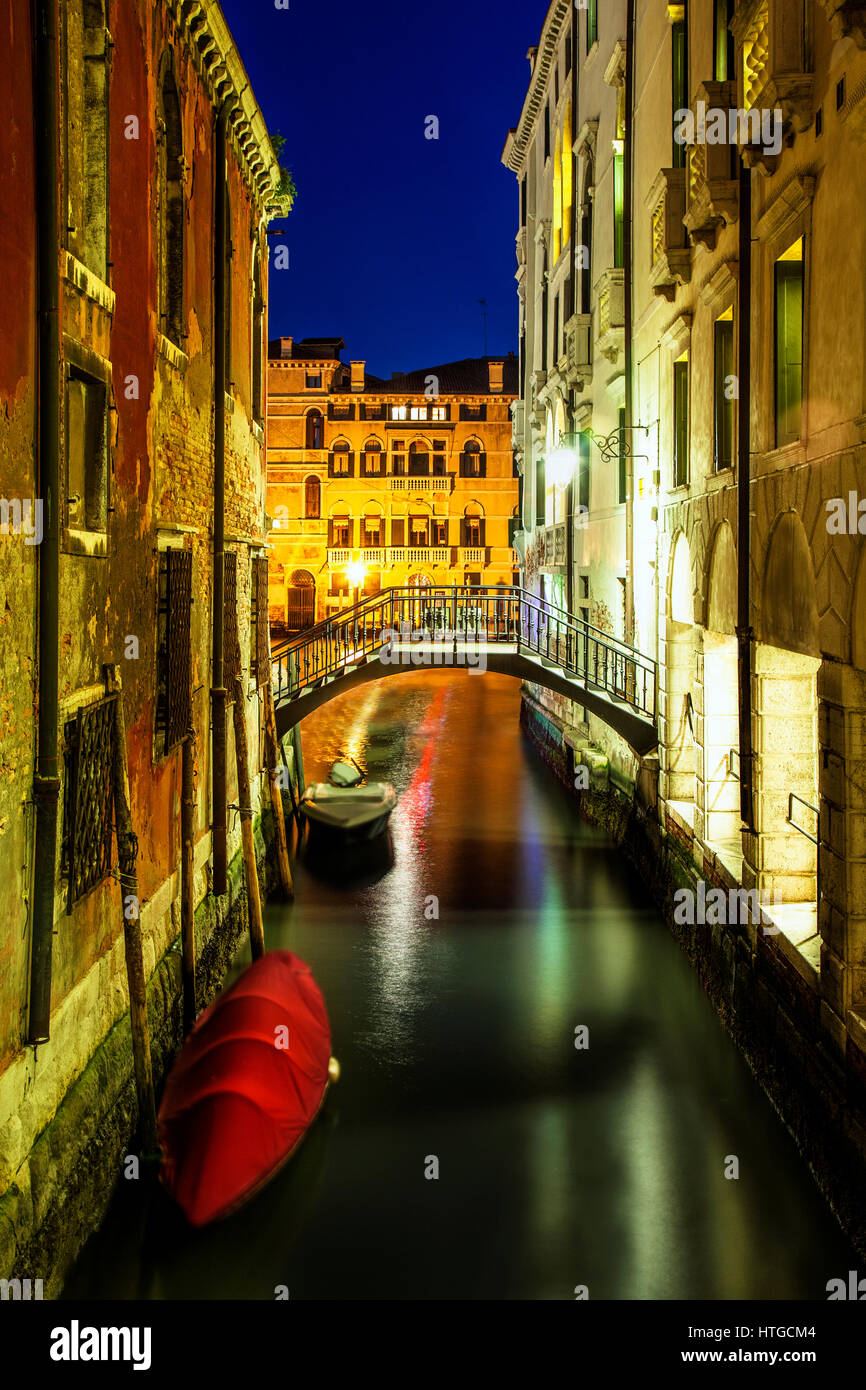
{"type": "Point", "coordinates": [483, 303]}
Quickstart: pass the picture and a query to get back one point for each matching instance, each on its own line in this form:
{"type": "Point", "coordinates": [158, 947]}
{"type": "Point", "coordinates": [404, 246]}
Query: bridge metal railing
{"type": "Point", "coordinates": [467, 615]}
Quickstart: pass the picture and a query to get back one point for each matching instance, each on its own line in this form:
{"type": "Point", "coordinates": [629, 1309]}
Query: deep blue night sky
{"type": "Point", "coordinates": [394, 238]}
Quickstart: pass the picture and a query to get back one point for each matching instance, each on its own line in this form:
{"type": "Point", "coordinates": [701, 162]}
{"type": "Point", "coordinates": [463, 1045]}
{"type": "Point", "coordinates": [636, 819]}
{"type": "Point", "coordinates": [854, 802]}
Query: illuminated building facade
{"type": "Point", "coordinates": [376, 484]}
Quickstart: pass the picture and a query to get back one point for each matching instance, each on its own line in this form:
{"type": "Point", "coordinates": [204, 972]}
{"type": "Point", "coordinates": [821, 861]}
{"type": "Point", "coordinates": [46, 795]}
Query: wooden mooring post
{"type": "Point", "coordinates": [251, 873]}
{"type": "Point", "coordinates": [187, 878]}
{"type": "Point", "coordinates": [127, 853]}
{"type": "Point", "coordinates": [272, 763]}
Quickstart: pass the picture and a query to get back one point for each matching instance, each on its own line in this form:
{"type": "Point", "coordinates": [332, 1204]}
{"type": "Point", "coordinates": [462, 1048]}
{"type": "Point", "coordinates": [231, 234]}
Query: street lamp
{"type": "Point", "coordinates": [355, 572]}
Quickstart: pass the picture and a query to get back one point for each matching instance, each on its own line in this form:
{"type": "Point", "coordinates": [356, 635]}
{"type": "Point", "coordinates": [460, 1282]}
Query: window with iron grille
{"type": "Point", "coordinates": [88, 799]}
{"type": "Point", "coordinates": [173, 648]}
{"type": "Point", "coordinates": [259, 653]}
{"type": "Point", "coordinates": [231, 647]}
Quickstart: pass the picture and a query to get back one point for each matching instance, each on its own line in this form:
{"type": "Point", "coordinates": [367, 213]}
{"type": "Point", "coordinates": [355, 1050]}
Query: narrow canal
{"type": "Point", "coordinates": [558, 1167]}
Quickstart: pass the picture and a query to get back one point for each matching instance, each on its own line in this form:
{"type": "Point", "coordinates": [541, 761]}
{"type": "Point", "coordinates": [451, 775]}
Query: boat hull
{"type": "Point", "coordinates": [248, 1084]}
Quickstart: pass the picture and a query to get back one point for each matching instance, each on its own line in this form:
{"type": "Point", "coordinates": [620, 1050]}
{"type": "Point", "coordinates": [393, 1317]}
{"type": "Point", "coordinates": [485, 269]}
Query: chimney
{"type": "Point", "coordinates": [286, 347]}
{"type": "Point", "coordinates": [358, 376]}
{"type": "Point", "coordinates": [494, 372]}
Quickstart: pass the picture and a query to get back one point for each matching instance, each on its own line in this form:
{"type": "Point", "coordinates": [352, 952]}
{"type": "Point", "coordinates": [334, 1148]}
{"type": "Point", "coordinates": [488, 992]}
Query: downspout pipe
{"type": "Point", "coordinates": [46, 786]}
{"type": "Point", "coordinates": [575, 262]}
{"type": "Point", "coordinates": [745, 633]}
{"type": "Point", "coordinates": [219, 826]}
{"type": "Point", "coordinates": [628, 314]}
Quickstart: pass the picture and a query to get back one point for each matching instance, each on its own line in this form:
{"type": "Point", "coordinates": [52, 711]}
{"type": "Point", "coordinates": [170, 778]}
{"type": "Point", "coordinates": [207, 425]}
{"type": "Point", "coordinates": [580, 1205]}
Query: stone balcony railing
{"type": "Point", "coordinates": [518, 419]}
{"type": "Point", "coordinates": [554, 546]}
{"type": "Point", "coordinates": [671, 262]}
{"type": "Point", "coordinates": [610, 298]}
{"type": "Point", "coordinates": [520, 247]}
{"type": "Point", "coordinates": [418, 555]}
{"type": "Point", "coordinates": [712, 190]}
{"type": "Point", "coordinates": [772, 40]}
{"type": "Point", "coordinates": [443, 482]}
{"type": "Point", "coordinates": [578, 348]}
{"type": "Point", "coordinates": [473, 555]}
{"type": "Point", "coordinates": [338, 558]}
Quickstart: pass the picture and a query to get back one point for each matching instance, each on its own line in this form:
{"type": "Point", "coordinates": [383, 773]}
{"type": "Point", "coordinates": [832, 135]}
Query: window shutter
{"type": "Point", "coordinates": [482, 465]}
{"type": "Point", "coordinates": [230, 624]}
{"type": "Point", "coordinates": [330, 533]}
{"type": "Point", "coordinates": [464, 531]}
{"type": "Point", "coordinates": [681, 423]}
{"type": "Point", "coordinates": [723, 367]}
{"type": "Point", "coordinates": [261, 602]}
{"type": "Point", "coordinates": [789, 351]}
{"type": "Point", "coordinates": [481, 525]}
{"type": "Point", "coordinates": [398, 531]}
{"type": "Point", "coordinates": [351, 461]}
{"type": "Point", "coordinates": [463, 465]}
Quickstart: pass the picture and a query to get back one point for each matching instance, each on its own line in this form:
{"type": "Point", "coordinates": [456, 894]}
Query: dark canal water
{"type": "Point", "coordinates": [557, 1167]}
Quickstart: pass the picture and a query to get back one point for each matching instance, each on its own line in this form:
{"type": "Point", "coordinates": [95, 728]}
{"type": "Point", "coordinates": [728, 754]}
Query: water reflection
{"type": "Point", "coordinates": [558, 1167]}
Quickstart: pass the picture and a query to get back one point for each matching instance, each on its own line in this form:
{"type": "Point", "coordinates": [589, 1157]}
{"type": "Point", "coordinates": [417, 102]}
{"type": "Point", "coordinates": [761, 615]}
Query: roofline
{"type": "Point", "coordinates": [513, 156]}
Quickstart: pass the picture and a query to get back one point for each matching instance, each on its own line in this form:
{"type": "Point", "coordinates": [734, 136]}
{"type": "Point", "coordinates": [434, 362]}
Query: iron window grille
{"type": "Point", "coordinates": [88, 819]}
{"type": "Point", "coordinates": [174, 648]}
{"type": "Point", "coordinates": [260, 654]}
{"type": "Point", "coordinates": [231, 646]}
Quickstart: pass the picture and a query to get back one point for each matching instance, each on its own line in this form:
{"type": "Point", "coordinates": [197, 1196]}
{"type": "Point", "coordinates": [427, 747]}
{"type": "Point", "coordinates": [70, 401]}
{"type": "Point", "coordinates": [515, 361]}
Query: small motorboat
{"type": "Point", "coordinates": [249, 1082]}
{"type": "Point", "coordinates": [356, 813]}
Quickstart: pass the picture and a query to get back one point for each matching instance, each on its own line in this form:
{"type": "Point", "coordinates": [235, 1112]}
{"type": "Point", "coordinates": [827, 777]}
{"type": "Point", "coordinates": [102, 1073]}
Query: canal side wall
{"type": "Point", "coordinates": [62, 1188]}
{"type": "Point", "coordinates": [760, 987]}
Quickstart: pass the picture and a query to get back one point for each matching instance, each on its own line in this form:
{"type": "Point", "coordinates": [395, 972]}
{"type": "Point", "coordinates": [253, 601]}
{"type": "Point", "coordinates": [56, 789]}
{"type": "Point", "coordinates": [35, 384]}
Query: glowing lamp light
{"type": "Point", "coordinates": [618, 146]}
{"type": "Point", "coordinates": [561, 463]}
{"type": "Point", "coordinates": [356, 571]}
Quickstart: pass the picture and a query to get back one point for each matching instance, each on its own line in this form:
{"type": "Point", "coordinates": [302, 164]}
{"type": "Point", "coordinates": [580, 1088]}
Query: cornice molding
{"type": "Point", "coordinates": [516, 149]}
{"type": "Point", "coordinates": [209, 43]}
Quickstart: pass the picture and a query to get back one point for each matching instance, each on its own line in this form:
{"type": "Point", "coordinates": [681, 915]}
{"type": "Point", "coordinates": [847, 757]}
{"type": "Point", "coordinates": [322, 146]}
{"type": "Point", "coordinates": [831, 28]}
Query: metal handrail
{"type": "Point", "coordinates": [478, 613]}
{"type": "Point", "coordinates": [792, 797]}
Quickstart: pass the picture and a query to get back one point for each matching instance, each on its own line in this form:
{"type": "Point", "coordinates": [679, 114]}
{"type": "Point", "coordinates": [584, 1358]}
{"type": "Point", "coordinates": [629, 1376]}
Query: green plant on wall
{"type": "Point", "coordinates": [286, 185]}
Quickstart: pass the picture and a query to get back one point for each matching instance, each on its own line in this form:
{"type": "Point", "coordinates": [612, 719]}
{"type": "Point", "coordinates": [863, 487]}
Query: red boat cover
{"type": "Point", "coordinates": [246, 1086]}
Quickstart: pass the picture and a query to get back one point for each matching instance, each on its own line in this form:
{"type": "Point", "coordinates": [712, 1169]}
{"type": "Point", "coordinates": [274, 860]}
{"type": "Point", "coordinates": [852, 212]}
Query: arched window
{"type": "Point", "coordinates": [372, 529]}
{"type": "Point", "coordinates": [171, 209]}
{"type": "Point", "coordinates": [419, 459]}
{"type": "Point", "coordinates": [258, 329]}
{"type": "Point", "coordinates": [301, 601]}
{"type": "Point", "coordinates": [312, 498]}
{"type": "Point", "coordinates": [473, 460]}
{"type": "Point", "coordinates": [373, 459]}
{"type": "Point", "coordinates": [341, 463]}
{"type": "Point", "coordinates": [315, 430]}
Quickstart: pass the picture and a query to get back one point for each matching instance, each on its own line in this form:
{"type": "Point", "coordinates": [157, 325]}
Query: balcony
{"type": "Point", "coordinates": [578, 350]}
{"type": "Point", "coordinates": [847, 20]}
{"type": "Point", "coordinates": [373, 555]}
{"type": "Point", "coordinates": [338, 559]}
{"type": "Point", "coordinates": [772, 42]}
{"type": "Point", "coordinates": [473, 555]}
{"type": "Point", "coordinates": [610, 298]}
{"type": "Point", "coordinates": [520, 247]}
{"type": "Point", "coordinates": [554, 547]}
{"type": "Point", "coordinates": [442, 482]}
{"type": "Point", "coordinates": [671, 260]}
{"type": "Point", "coordinates": [518, 419]}
{"type": "Point", "coordinates": [712, 192]}
{"type": "Point", "coordinates": [418, 555]}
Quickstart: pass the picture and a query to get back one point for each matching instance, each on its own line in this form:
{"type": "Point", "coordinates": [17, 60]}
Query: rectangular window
{"type": "Point", "coordinates": [789, 284]}
{"type": "Point", "coordinates": [86, 452]}
{"type": "Point", "coordinates": [314, 381]}
{"type": "Point", "coordinates": [723, 395]}
{"type": "Point", "coordinates": [681, 422]}
{"type": "Point", "coordinates": [723, 41]}
{"type": "Point", "coordinates": [340, 533]}
{"type": "Point", "coordinates": [439, 412]}
{"type": "Point", "coordinates": [440, 534]}
{"type": "Point", "coordinates": [398, 458]}
{"type": "Point", "coordinates": [173, 645]}
{"type": "Point", "coordinates": [399, 412]}
{"type": "Point", "coordinates": [88, 56]}
{"type": "Point", "coordinates": [231, 646]}
{"type": "Point", "coordinates": [419, 531]}
{"type": "Point", "coordinates": [419, 412]}
{"type": "Point", "coordinates": [556, 353]}
{"type": "Point", "coordinates": [623, 467]}
{"type": "Point", "coordinates": [259, 647]}
{"type": "Point", "coordinates": [88, 799]}
{"type": "Point", "coordinates": [584, 445]}
{"type": "Point", "coordinates": [591, 24]}
{"type": "Point", "coordinates": [619, 208]}
{"type": "Point", "coordinates": [680, 75]}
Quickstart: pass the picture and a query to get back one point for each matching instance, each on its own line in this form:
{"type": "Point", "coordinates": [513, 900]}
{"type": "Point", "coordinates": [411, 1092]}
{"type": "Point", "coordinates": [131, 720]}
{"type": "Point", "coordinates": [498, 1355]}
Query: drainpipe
{"type": "Point", "coordinates": [46, 785]}
{"type": "Point", "coordinates": [745, 634]}
{"type": "Point", "coordinates": [628, 314]}
{"type": "Point", "coordinates": [219, 830]}
{"type": "Point", "coordinates": [569, 495]}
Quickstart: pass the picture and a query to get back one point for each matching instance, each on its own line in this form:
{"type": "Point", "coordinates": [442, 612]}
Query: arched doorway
{"type": "Point", "coordinates": [301, 601]}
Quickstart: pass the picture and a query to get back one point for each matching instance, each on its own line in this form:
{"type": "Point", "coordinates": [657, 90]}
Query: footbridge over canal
{"type": "Point", "coordinates": [469, 628]}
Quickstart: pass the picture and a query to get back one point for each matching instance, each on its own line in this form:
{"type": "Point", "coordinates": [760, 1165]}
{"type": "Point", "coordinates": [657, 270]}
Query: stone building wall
{"type": "Point", "coordinates": [159, 383]}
